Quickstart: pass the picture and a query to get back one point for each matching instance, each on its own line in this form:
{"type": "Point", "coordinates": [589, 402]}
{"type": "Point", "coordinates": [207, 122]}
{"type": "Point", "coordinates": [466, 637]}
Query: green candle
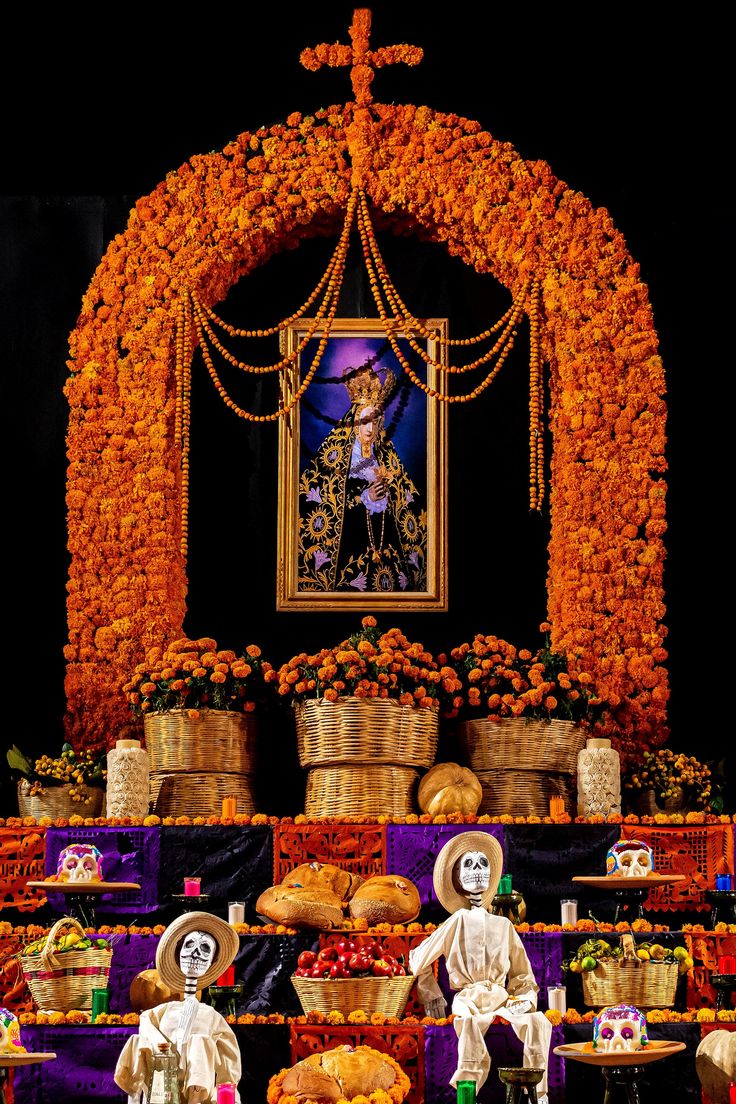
{"type": "Point", "coordinates": [466, 1092]}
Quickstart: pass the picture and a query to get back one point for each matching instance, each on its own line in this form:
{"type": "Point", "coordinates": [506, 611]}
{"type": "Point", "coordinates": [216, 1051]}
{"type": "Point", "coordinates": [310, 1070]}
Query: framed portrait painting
{"type": "Point", "coordinates": [363, 473]}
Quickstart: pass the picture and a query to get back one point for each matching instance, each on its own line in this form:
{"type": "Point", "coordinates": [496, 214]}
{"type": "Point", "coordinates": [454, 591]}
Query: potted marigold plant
{"type": "Point", "coordinates": [73, 782]}
{"type": "Point", "coordinates": [367, 718]}
{"type": "Point", "coordinates": [524, 718]}
{"type": "Point", "coordinates": [666, 781]}
{"type": "Point", "coordinates": [197, 704]}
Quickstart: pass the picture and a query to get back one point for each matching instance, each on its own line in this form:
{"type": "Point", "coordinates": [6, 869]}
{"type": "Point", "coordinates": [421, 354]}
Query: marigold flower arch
{"type": "Point", "coordinates": [220, 216]}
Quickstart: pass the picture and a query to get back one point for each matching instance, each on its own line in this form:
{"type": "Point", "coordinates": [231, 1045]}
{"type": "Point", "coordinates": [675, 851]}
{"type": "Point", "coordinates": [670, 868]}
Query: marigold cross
{"type": "Point", "coordinates": [362, 60]}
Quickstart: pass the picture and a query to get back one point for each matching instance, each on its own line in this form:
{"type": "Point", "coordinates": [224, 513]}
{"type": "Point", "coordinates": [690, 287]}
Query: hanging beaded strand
{"type": "Point", "coordinates": [536, 403]}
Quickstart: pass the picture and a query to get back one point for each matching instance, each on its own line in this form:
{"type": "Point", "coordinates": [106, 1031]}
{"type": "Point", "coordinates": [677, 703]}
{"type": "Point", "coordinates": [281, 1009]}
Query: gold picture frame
{"type": "Point", "coordinates": [362, 519]}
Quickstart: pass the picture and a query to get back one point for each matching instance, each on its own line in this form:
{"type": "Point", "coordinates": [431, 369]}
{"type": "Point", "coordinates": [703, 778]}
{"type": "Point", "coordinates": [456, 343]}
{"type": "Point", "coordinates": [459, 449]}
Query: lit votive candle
{"type": "Point", "coordinates": [557, 998]}
{"type": "Point", "coordinates": [569, 912]}
{"type": "Point", "coordinates": [732, 1093]}
{"type": "Point", "coordinates": [192, 887]}
{"type": "Point", "coordinates": [556, 806]}
{"type": "Point", "coordinates": [226, 1093]}
{"type": "Point", "coordinates": [236, 912]}
{"type": "Point", "coordinates": [229, 807]}
{"type": "Point", "coordinates": [228, 978]}
{"type": "Point", "coordinates": [724, 883]}
{"type": "Point", "coordinates": [727, 964]}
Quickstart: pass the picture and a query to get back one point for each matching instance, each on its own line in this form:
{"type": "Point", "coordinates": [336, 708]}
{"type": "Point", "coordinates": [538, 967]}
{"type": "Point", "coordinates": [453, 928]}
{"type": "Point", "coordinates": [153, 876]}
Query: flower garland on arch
{"type": "Point", "coordinates": [223, 214]}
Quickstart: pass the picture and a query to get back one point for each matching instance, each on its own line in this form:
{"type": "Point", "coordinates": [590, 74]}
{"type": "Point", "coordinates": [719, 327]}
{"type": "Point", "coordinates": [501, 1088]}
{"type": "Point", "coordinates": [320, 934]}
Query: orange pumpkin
{"type": "Point", "coordinates": [449, 788]}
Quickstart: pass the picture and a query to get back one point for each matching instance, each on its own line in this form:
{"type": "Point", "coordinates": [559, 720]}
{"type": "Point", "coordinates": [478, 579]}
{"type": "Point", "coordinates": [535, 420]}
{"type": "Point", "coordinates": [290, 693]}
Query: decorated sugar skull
{"type": "Point", "coordinates": [473, 872]}
{"type": "Point", "coordinates": [80, 862]}
{"type": "Point", "coordinates": [621, 1027]}
{"type": "Point", "coordinates": [9, 1033]}
{"type": "Point", "coordinates": [630, 859]}
{"type": "Point", "coordinates": [197, 952]}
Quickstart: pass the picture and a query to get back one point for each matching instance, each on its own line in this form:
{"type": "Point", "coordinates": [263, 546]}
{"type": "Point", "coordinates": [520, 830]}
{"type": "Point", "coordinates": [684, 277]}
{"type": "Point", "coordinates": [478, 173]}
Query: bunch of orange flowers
{"type": "Point", "coordinates": [369, 664]}
{"type": "Point", "coordinates": [505, 681]}
{"type": "Point", "coordinates": [194, 674]}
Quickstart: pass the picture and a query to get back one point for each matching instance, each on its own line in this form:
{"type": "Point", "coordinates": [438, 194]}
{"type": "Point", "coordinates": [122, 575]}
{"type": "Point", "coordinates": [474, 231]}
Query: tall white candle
{"type": "Point", "coordinates": [557, 998]}
{"type": "Point", "coordinates": [236, 912]}
{"type": "Point", "coordinates": [569, 912]}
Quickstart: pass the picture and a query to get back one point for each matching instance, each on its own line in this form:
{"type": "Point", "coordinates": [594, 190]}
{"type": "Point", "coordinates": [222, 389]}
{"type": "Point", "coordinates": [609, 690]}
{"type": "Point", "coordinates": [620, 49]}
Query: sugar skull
{"type": "Point", "coordinates": [473, 872]}
{"type": "Point", "coordinates": [621, 1027]}
{"type": "Point", "coordinates": [630, 859]}
{"type": "Point", "coordinates": [80, 862]}
{"type": "Point", "coordinates": [9, 1033]}
{"type": "Point", "coordinates": [197, 954]}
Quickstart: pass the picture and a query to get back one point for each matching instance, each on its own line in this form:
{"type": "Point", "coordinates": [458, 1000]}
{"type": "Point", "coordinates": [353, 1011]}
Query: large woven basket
{"type": "Point", "coordinates": [198, 794]}
{"type": "Point", "coordinates": [56, 801]}
{"type": "Point", "coordinates": [627, 980]}
{"type": "Point", "coordinates": [62, 982]}
{"type": "Point", "coordinates": [360, 790]}
{"type": "Point", "coordinates": [216, 739]}
{"type": "Point", "coordinates": [388, 995]}
{"type": "Point", "coordinates": [522, 764]}
{"type": "Point", "coordinates": [365, 730]}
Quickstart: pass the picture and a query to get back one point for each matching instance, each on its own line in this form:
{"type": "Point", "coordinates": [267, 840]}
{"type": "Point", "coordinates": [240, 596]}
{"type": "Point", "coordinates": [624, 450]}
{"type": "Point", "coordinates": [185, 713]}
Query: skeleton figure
{"type": "Point", "coordinates": [630, 859]}
{"type": "Point", "coordinates": [486, 962]}
{"type": "Point", "coordinates": [202, 1039]}
{"type": "Point", "coordinates": [621, 1027]}
{"type": "Point", "coordinates": [79, 862]}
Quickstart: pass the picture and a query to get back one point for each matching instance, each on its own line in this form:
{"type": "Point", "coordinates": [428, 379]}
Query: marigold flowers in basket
{"type": "Point", "coordinates": [194, 674]}
{"type": "Point", "coordinates": [369, 664]}
{"type": "Point", "coordinates": [75, 769]}
{"type": "Point", "coordinates": [500, 680]}
{"type": "Point", "coordinates": [671, 775]}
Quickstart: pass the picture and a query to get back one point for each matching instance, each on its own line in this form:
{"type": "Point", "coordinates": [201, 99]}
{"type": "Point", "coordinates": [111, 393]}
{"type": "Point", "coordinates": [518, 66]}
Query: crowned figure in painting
{"type": "Point", "coordinates": [486, 962]}
{"type": "Point", "coordinates": [361, 527]}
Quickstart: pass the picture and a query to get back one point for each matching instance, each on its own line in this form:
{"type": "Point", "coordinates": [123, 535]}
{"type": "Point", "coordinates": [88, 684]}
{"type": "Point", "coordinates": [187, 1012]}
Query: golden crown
{"type": "Point", "coordinates": [365, 388]}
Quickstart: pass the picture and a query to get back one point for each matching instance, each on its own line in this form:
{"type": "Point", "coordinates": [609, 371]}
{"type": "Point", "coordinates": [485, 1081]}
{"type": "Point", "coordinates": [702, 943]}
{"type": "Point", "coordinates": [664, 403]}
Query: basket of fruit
{"type": "Point", "coordinates": [64, 968]}
{"type": "Point", "coordinates": [352, 975]}
{"type": "Point", "coordinates": [644, 975]}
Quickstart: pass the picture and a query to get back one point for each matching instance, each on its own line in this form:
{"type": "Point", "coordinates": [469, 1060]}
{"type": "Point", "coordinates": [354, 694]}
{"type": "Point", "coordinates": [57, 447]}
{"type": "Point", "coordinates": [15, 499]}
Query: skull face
{"type": "Point", "coordinates": [197, 954]}
{"type": "Point", "coordinates": [473, 872]}
{"type": "Point", "coordinates": [622, 1027]}
{"type": "Point", "coordinates": [9, 1032]}
{"type": "Point", "coordinates": [630, 859]}
{"type": "Point", "coordinates": [79, 862]}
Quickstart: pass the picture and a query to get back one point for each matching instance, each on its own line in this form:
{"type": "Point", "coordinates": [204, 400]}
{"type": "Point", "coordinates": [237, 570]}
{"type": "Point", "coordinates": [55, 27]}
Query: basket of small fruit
{"type": "Point", "coordinates": [644, 975]}
{"type": "Point", "coordinates": [352, 974]}
{"type": "Point", "coordinates": [64, 968]}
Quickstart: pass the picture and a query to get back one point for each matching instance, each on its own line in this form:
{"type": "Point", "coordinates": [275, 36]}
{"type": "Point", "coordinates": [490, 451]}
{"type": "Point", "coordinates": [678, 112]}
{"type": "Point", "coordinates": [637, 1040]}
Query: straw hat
{"type": "Point", "coordinates": [167, 954]}
{"type": "Point", "coordinates": [444, 885]}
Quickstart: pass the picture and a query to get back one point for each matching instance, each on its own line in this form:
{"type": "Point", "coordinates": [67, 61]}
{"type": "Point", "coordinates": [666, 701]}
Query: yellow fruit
{"type": "Point", "coordinates": [680, 953]}
{"type": "Point", "coordinates": [575, 967]}
{"type": "Point", "coordinates": [643, 955]}
{"type": "Point", "coordinates": [688, 962]}
{"type": "Point", "coordinates": [657, 951]}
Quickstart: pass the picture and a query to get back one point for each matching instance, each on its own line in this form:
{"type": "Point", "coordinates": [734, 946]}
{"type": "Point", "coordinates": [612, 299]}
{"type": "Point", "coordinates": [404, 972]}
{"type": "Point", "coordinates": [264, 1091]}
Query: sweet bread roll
{"type": "Point", "coordinates": [386, 899]}
{"type": "Point", "coordinates": [324, 876]}
{"type": "Point", "coordinates": [360, 1071]}
{"type": "Point", "coordinates": [298, 907]}
{"type": "Point", "coordinates": [308, 1082]}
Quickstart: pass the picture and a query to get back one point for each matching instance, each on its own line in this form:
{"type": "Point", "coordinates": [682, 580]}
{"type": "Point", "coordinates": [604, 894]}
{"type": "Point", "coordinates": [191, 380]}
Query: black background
{"type": "Point", "coordinates": [93, 121]}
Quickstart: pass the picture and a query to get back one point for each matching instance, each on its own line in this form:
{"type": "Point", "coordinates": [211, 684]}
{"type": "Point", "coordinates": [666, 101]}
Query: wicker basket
{"type": "Point", "coordinates": [387, 995]}
{"type": "Point", "coordinates": [198, 794]}
{"type": "Point", "coordinates": [372, 730]}
{"type": "Point", "coordinates": [62, 982]}
{"type": "Point", "coordinates": [55, 801]}
{"type": "Point", "coordinates": [522, 764]}
{"type": "Point", "coordinates": [360, 790]}
{"type": "Point", "coordinates": [217, 737]}
{"type": "Point", "coordinates": [647, 805]}
{"type": "Point", "coordinates": [627, 980]}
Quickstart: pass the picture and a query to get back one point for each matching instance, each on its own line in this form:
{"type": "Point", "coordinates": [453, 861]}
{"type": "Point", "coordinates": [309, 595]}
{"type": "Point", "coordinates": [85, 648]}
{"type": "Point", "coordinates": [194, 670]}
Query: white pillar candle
{"type": "Point", "coordinates": [557, 998]}
{"type": "Point", "coordinates": [569, 912]}
{"type": "Point", "coordinates": [236, 912]}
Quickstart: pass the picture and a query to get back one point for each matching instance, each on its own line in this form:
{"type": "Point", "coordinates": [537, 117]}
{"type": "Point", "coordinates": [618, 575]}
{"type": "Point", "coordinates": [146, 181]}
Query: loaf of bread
{"type": "Point", "coordinates": [386, 899]}
{"type": "Point", "coordinates": [341, 1073]}
{"type": "Point", "coordinates": [297, 907]}
{"type": "Point", "coordinates": [324, 876]}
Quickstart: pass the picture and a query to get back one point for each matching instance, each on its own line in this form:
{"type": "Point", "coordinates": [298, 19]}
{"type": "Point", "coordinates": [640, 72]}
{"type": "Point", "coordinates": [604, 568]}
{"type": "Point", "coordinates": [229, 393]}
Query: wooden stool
{"type": "Point", "coordinates": [521, 1081]}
